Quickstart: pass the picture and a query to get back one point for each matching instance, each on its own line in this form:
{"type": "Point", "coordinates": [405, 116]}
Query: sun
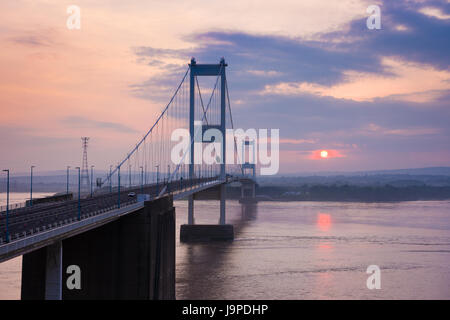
{"type": "Point", "coordinates": [324, 154]}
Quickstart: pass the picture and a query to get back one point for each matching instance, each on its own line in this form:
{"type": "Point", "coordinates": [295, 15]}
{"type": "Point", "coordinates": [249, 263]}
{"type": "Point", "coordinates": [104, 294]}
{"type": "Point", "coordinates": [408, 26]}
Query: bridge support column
{"type": "Point", "coordinates": [42, 273]}
{"type": "Point", "coordinates": [209, 232]}
{"type": "Point", "coordinates": [223, 196]}
{"type": "Point", "coordinates": [248, 193]}
{"type": "Point", "coordinates": [53, 274]}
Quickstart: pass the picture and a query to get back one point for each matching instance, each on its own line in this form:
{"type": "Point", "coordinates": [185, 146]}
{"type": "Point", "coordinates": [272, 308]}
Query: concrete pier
{"type": "Point", "coordinates": [53, 272]}
{"type": "Point", "coordinates": [203, 233]}
{"type": "Point", "coordinates": [206, 232]}
{"type": "Point", "coordinates": [130, 258]}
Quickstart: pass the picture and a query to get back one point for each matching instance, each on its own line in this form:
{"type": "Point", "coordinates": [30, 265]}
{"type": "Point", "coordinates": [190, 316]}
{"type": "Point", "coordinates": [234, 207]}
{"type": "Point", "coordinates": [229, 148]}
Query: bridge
{"type": "Point", "coordinates": [121, 236]}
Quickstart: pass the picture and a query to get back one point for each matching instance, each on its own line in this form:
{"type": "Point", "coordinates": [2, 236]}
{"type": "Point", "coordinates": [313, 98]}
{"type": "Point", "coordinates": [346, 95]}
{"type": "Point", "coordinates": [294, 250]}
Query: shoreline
{"type": "Point", "coordinates": [267, 198]}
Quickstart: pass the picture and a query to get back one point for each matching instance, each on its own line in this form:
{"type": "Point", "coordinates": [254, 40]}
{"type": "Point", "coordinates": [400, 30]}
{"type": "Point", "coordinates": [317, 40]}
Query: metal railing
{"type": "Point", "coordinates": [13, 206]}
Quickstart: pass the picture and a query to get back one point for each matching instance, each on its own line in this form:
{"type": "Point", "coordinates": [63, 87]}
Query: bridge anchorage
{"type": "Point", "coordinates": [123, 233]}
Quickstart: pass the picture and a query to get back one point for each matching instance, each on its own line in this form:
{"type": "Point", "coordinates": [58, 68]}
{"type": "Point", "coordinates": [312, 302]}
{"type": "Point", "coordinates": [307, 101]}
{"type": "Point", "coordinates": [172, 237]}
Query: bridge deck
{"type": "Point", "coordinates": [39, 226]}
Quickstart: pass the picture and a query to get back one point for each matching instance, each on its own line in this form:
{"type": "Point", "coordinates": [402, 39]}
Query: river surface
{"type": "Point", "coordinates": [309, 250]}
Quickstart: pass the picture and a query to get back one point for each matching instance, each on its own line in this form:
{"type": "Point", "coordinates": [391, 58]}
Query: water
{"type": "Point", "coordinates": [317, 250]}
{"type": "Point", "coordinates": [309, 250]}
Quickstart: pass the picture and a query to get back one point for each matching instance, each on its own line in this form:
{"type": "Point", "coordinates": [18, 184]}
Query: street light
{"type": "Point", "coordinates": [7, 205]}
{"type": "Point", "coordinates": [79, 193]}
{"type": "Point", "coordinates": [157, 179]}
{"type": "Point", "coordinates": [31, 186]}
{"type": "Point", "coordinates": [142, 180]}
{"type": "Point", "coordinates": [92, 178]}
{"type": "Point", "coordinates": [168, 178]}
{"type": "Point", "coordinates": [118, 186]}
{"type": "Point", "coordinates": [67, 180]}
{"type": "Point", "coordinates": [145, 175]}
{"type": "Point", "coordinates": [110, 179]}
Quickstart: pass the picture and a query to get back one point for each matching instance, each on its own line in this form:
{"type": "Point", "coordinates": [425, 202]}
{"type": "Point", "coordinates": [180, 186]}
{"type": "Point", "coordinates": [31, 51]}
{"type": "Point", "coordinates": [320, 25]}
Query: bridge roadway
{"type": "Point", "coordinates": [34, 227]}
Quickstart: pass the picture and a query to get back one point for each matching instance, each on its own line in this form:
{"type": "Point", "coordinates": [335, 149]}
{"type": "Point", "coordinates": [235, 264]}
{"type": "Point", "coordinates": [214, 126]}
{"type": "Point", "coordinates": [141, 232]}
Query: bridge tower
{"type": "Point", "coordinates": [248, 185]}
{"type": "Point", "coordinates": [85, 185]}
{"type": "Point", "coordinates": [204, 232]}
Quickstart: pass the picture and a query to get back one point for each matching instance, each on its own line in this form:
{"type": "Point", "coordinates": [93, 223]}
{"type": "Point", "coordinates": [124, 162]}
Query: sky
{"type": "Point", "coordinates": [374, 99]}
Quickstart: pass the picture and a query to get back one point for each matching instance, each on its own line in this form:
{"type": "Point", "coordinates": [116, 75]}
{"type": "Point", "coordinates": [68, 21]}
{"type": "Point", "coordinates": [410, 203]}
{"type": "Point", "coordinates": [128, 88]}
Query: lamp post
{"type": "Point", "coordinates": [92, 178]}
{"type": "Point", "coordinates": [79, 193]}
{"type": "Point", "coordinates": [157, 179]}
{"type": "Point", "coordinates": [118, 187]}
{"type": "Point", "coordinates": [168, 178]}
{"type": "Point", "coordinates": [110, 179]}
{"type": "Point", "coordinates": [7, 205]}
{"type": "Point", "coordinates": [67, 180]}
{"type": "Point", "coordinates": [31, 186]}
{"type": "Point", "coordinates": [142, 180]}
{"type": "Point", "coordinates": [145, 175]}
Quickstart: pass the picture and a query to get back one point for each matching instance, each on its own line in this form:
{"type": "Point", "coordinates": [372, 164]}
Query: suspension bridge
{"type": "Point", "coordinates": [122, 236]}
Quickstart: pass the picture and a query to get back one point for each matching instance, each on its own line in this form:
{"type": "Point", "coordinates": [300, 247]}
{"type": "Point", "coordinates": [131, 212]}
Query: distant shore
{"type": "Point", "coordinates": [320, 192]}
{"type": "Point", "coordinates": [348, 193]}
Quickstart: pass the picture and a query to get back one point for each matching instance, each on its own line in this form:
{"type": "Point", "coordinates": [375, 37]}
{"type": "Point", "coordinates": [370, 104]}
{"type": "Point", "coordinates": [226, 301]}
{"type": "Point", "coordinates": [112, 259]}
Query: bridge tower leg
{"type": "Point", "coordinates": [192, 133]}
{"type": "Point", "coordinates": [223, 197]}
{"type": "Point", "coordinates": [191, 210]}
{"type": "Point", "coordinates": [248, 192]}
{"type": "Point", "coordinates": [248, 187]}
{"type": "Point", "coordinates": [223, 131]}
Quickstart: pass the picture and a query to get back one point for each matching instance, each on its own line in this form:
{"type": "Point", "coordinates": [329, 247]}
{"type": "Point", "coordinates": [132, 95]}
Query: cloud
{"type": "Point", "coordinates": [30, 40]}
{"type": "Point", "coordinates": [39, 37]}
{"type": "Point", "coordinates": [401, 27]}
{"type": "Point", "coordinates": [143, 51]}
{"type": "Point", "coordinates": [360, 86]}
{"type": "Point", "coordinates": [256, 60]}
{"type": "Point", "coordinates": [418, 131]}
{"type": "Point", "coordinates": [435, 13]}
{"type": "Point", "coordinates": [265, 73]}
{"type": "Point", "coordinates": [422, 38]}
{"type": "Point", "coordinates": [297, 141]}
{"type": "Point", "coordinates": [82, 122]}
{"type": "Point", "coordinates": [368, 65]}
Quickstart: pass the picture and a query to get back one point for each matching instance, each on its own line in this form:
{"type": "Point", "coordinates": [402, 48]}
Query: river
{"type": "Point", "coordinates": [309, 250]}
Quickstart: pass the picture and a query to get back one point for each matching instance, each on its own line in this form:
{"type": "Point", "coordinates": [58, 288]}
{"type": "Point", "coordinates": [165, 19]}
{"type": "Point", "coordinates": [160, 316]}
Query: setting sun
{"type": "Point", "coordinates": [324, 154]}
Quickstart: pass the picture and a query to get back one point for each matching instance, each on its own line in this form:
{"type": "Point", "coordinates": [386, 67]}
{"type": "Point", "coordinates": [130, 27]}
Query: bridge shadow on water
{"type": "Point", "coordinates": [206, 266]}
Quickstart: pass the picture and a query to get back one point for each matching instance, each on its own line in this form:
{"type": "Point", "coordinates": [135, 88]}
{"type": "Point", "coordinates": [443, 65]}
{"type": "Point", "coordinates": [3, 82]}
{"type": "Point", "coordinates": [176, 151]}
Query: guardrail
{"type": "Point", "coordinates": [39, 220]}
{"type": "Point", "coordinates": [13, 206]}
